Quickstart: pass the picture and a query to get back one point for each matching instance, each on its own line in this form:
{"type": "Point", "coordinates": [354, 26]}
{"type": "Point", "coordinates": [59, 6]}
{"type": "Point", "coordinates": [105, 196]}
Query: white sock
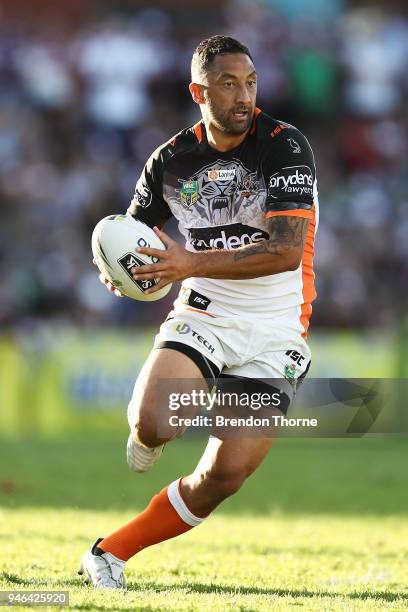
{"type": "Point", "coordinates": [173, 493]}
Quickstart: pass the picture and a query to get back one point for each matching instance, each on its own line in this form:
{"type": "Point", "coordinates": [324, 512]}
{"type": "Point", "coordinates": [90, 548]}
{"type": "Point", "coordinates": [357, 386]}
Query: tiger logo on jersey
{"type": "Point", "coordinates": [218, 193]}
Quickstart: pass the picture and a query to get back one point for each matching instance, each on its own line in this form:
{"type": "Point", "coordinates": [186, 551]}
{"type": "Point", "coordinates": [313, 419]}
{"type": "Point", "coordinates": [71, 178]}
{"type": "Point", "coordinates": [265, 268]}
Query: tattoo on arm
{"type": "Point", "coordinates": [285, 233]}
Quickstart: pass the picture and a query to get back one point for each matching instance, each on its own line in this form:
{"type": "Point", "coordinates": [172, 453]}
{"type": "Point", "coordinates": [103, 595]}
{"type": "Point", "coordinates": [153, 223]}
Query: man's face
{"type": "Point", "coordinates": [230, 93]}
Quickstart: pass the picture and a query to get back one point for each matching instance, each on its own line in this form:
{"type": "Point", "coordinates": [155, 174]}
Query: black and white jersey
{"type": "Point", "coordinates": [223, 201]}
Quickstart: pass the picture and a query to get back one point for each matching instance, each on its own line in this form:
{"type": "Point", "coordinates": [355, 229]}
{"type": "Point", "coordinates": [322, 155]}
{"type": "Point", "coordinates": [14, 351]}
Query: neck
{"type": "Point", "coordinates": [220, 140]}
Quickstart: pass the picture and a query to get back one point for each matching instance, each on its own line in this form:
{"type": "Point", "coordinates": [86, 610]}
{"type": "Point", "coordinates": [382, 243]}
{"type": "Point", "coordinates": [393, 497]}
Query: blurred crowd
{"type": "Point", "coordinates": [84, 101]}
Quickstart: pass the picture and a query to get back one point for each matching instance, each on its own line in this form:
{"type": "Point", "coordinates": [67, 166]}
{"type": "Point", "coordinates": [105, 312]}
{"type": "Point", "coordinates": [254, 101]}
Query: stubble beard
{"type": "Point", "coordinates": [224, 122]}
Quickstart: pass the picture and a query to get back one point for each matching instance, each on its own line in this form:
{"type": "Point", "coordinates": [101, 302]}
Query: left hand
{"type": "Point", "coordinates": [175, 263]}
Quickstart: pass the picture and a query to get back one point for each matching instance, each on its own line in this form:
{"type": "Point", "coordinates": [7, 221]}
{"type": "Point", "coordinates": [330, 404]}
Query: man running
{"type": "Point", "coordinates": [243, 188]}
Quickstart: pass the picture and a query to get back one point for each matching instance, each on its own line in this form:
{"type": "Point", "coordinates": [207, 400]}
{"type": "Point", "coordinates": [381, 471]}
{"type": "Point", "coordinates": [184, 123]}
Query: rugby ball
{"type": "Point", "coordinates": [114, 243]}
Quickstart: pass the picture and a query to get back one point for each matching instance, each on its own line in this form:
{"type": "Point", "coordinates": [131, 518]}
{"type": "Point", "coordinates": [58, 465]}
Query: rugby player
{"type": "Point", "coordinates": [243, 188]}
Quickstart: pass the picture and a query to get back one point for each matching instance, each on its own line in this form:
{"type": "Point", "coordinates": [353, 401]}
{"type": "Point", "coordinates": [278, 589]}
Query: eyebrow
{"type": "Point", "coordinates": [228, 75]}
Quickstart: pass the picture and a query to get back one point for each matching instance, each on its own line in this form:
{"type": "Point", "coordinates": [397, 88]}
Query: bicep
{"type": "Point", "coordinates": [287, 237]}
{"type": "Point", "coordinates": [290, 231]}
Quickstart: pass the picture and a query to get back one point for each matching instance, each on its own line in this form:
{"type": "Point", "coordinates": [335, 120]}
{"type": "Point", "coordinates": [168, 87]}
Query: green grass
{"type": "Point", "coordinates": [321, 526]}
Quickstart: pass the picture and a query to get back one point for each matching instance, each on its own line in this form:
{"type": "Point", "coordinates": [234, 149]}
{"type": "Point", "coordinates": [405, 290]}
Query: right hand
{"type": "Point", "coordinates": [105, 281]}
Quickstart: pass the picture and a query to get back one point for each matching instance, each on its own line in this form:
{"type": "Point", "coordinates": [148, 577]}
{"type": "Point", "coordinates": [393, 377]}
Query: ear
{"type": "Point", "coordinates": [196, 93]}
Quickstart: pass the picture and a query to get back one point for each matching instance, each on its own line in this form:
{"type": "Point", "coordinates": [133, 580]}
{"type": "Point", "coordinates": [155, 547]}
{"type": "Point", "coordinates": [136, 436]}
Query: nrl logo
{"type": "Point", "coordinates": [189, 193]}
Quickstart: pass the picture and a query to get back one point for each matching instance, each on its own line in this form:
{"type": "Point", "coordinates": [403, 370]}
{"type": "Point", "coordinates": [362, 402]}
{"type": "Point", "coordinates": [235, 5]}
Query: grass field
{"type": "Point", "coordinates": [321, 526]}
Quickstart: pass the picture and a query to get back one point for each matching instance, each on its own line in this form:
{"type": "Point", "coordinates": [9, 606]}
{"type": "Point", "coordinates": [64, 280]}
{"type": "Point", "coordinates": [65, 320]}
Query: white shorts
{"type": "Point", "coordinates": [236, 347]}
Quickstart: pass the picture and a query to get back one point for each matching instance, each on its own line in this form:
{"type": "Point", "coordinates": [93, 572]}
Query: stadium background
{"type": "Point", "coordinates": [87, 91]}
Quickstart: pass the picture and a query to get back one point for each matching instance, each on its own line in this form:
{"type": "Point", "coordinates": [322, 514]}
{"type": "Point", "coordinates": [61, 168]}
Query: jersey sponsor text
{"type": "Point", "coordinates": [227, 237]}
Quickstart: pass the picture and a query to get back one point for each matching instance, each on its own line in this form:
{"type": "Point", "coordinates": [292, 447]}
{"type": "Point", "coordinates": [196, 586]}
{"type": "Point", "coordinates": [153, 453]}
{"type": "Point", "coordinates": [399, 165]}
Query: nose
{"type": "Point", "coordinates": [242, 95]}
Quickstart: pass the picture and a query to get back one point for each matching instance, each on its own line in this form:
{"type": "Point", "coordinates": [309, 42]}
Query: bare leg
{"type": "Point", "coordinates": [221, 471]}
{"type": "Point", "coordinates": [165, 371]}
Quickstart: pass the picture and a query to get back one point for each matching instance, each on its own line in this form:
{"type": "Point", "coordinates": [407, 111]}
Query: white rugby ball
{"type": "Point", "coordinates": [114, 243]}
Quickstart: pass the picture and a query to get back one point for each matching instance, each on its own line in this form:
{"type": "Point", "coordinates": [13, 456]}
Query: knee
{"type": "Point", "coordinates": [151, 430]}
{"type": "Point", "coordinates": [148, 432]}
{"type": "Point", "coordinates": [147, 435]}
{"type": "Point", "coordinates": [142, 424]}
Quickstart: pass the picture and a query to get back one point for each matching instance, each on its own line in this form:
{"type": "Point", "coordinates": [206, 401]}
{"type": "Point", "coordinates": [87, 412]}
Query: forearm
{"type": "Point", "coordinates": [280, 253]}
{"type": "Point", "coordinates": [250, 261]}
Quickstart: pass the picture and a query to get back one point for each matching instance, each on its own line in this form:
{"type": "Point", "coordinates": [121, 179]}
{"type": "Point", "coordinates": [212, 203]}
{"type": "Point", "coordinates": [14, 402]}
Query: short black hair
{"type": "Point", "coordinates": [209, 48]}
